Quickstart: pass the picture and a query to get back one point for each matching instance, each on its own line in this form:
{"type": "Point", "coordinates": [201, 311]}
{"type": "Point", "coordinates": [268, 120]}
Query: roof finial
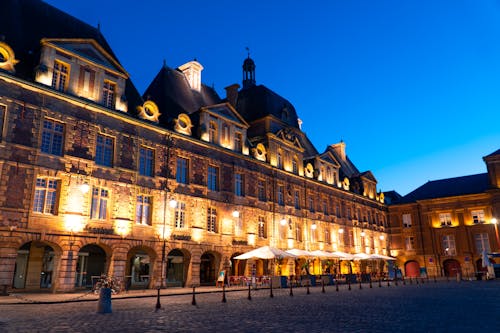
{"type": "Point", "coordinates": [164, 63]}
{"type": "Point", "coordinates": [99, 26]}
{"type": "Point", "coordinates": [248, 51]}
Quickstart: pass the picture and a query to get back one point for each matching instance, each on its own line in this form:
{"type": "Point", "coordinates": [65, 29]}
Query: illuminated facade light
{"type": "Point", "coordinates": [341, 231]}
{"type": "Point", "coordinates": [283, 222]}
{"type": "Point", "coordinates": [236, 214]}
{"type": "Point", "coordinates": [172, 203]}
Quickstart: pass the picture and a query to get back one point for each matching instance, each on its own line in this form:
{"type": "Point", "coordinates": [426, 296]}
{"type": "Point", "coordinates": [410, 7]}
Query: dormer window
{"type": "Point", "coordinates": [60, 76]}
{"type": "Point", "coordinates": [295, 166]}
{"type": "Point", "coordinates": [192, 72]}
{"type": "Point", "coordinates": [109, 94]}
{"type": "Point", "coordinates": [212, 132]}
{"type": "Point", "coordinates": [279, 159]}
{"type": "Point", "coordinates": [238, 144]}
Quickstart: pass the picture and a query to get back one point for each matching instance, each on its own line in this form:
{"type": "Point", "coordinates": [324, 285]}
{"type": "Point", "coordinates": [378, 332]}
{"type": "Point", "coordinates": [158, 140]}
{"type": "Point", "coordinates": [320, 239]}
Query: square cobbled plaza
{"type": "Point", "coordinates": [415, 306]}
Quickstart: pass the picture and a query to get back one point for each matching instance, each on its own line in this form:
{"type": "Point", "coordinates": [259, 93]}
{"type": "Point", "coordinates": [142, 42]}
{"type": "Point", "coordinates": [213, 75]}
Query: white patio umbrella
{"type": "Point", "coordinates": [300, 253]}
{"type": "Point", "coordinates": [325, 254]}
{"type": "Point", "coordinates": [381, 256]}
{"type": "Point", "coordinates": [343, 255]}
{"type": "Point", "coordinates": [362, 256]}
{"type": "Point", "coordinates": [265, 252]}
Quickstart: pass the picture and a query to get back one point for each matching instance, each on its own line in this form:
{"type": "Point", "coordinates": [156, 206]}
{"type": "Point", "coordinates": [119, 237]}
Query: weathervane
{"type": "Point", "coordinates": [248, 51]}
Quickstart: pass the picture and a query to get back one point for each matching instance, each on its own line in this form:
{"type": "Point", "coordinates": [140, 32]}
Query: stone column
{"type": "Point", "coordinates": [67, 271]}
{"type": "Point", "coordinates": [8, 257]}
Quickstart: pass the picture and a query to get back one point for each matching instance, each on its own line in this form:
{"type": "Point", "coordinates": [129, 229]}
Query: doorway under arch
{"type": "Point", "coordinates": [177, 267]}
{"type": "Point", "coordinates": [91, 264]}
{"type": "Point", "coordinates": [412, 269]}
{"type": "Point", "coordinates": [208, 268]}
{"type": "Point", "coordinates": [34, 266]}
{"type": "Point", "coordinates": [451, 267]}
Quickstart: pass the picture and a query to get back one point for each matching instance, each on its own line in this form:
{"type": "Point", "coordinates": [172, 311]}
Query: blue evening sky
{"type": "Point", "coordinates": [412, 87]}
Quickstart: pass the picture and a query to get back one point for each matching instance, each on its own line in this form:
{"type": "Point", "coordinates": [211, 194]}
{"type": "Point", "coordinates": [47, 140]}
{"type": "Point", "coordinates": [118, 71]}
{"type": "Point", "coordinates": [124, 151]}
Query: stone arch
{"type": "Point", "coordinates": [451, 267]}
{"type": "Point", "coordinates": [210, 263]}
{"type": "Point", "coordinates": [139, 266]}
{"type": "Point", "coordinates": [177, 266]}
{"type": "Point", "coordinates": [93, 260]}
{"type": "Point", "coordinates": [238, 267]}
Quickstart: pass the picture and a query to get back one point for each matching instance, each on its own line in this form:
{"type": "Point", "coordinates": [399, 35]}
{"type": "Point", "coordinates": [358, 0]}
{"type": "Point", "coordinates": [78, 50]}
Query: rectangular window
{"type": "Point", "coordinates": [212, 132]}
{"type": "Point", "coordinates": [295, 168]}
{"type": "Point", "coordinates": [238, 142]}
{"type": "Point", "coordinates": [60, 76]}
{"type": "Point", "coordinates": [445, 219]}
{"type": "Point", "coordinates": [104, 150]}
{"type": "Point", "coordinates": [296, 199]}
{"type": "Point", "coordinates": [182, 171]}
{"type": "Point", "coordinates": [146, 161]}
{"type": "Point", "coordinates": [406, 220]}
{"type": "Point", "coordinates": [143, 210]}
{"type": "Point", "coordinates": [449, 245]}
{"type": "Point", "coordinates": [482, 243]}
{"type": "Point", "coordinates": [337, 210]}
{"type": "Point", "coordinates": [281, 198]}
{"type": "Point", "coordinates": [298, 232]}
{"type": "Point", "coordinates": [239, 184]}
{"type": "Point", "coordinates": [325, 208]}
{"type": "Point", "coordinates": [261, 188]}
{"type": "Point", "coordinates": [238, 225]}
{"type": "Point", "coordinates": [311, 204]}
{"type": "Point", "coordinates": [477, 216]}
{"type": "Point", "coordinates": [99, 205]}
{"type": "Point", "coordinates": [212, 220]}
{"type": "Point", "coordinates": [213, 178]}
{"type": "Point", "coordinates": [108, 94]}
{"type": "Point", "coordinates": [180, 215]}
{"type": "Point", "coordinates": [45, 196]}
{"type": "Point", "coordinates": [262, 227]}
{"type": "Point", "coordinates": [328, 239]}
{"type": "Point", "coordinates": [409, 243]}
{"type": "Point", "coordinates": [279, 159]}
{"type": "Point", "coordinates": [52, 137]}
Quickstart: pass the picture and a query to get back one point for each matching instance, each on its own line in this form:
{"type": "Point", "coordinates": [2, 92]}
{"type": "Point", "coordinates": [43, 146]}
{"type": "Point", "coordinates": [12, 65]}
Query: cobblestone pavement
{"type": "Point", "coordinates": [468, 306]}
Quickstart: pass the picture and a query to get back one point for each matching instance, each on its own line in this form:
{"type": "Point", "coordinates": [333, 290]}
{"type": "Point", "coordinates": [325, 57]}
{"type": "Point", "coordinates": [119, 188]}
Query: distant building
{"type": "Point", "coordinates": [444, 226]}
{"type": "Point", "coordinates": [160, 189]}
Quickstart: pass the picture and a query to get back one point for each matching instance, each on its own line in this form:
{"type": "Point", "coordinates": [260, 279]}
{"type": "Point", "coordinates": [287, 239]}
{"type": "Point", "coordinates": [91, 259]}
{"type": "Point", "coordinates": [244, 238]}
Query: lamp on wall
{"type": "Point", "coordinates": [495, 223]}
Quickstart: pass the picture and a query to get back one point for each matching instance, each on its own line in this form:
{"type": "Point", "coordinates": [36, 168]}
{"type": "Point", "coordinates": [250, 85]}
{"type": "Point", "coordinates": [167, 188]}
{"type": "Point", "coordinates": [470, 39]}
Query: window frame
{"type": "Point", "coordinates": [104, 152]}
{"type": "Point", "coordinates": [46, 197]}
{"type": "Point", "coordinates": [97, 211]}
{"type": "Point", "coordinates": [145, 208]}
{"type": "Point", "coordinates": [49, 144]}
{"type": "Point", "coordinates": [213, 178]}
{"type": "Point", "coordinates": [182, 170]}
{"type": "Point", "coordinates": [146, 161]}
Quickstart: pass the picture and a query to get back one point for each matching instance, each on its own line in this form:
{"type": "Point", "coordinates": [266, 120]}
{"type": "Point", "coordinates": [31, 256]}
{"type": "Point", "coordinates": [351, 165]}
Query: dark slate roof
{"type": "Point", "coordinates": [494, 153]}
{"type": "Point", "coordinates": [392, 197]}
{"type": "Point", "coordinates": [170, 90]}
{"type": "Point", "coordinates": [449, 187]}
{"type": "Point", "coordinates": [257, 102]}
{"type": "Point", "coordinates": [23, 23]}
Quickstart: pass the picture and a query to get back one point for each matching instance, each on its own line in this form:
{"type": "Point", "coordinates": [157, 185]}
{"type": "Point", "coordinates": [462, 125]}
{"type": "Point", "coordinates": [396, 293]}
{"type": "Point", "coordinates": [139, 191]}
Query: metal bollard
{"type": "Point", "coordinates": [336, 285]}
{"type": "Point", "coordinates": [307, 287]}
{"type": "Point", "coordinates": [271, 295]}
{"type": "Point", "coordinates": [360, 287]}
{"type": "Point", "coordinates": [249, 295]}
{"type": "Point", "coordinates": [291, 288]}
{"type": "Point", "coordinates": [322, 286]}
{"type": "Point", "coordinates": [379, 282]}
{"type": "Point", "coordinates": [224, 300]}
{"type": "Point", "coordinates": [371, 282]}
{"type": "Point", "coordinates": [193, 302]}
{"type": "Point", "coordinates": [158, 304]}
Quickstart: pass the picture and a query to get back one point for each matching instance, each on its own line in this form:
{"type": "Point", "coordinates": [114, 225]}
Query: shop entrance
{"type": "Point", "coordinates": [412, 269]}
{"type": "Point", "coordinates": [207, 269]}
{"type": "Point", "coordinates": [34, 266]}
{"type": "Point", "coordinates": [177, 266]}
{"type": "Point", "coordinates": [140, 266]}
{"type": "Point", "coordinates": [90, 265]}
{"type": "Point", "coordinates": [451, 268]}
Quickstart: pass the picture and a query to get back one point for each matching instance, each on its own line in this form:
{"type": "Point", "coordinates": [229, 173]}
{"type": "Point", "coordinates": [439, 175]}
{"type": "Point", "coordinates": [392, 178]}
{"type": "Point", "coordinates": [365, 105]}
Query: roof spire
{"type": "Point", "coordinates": [248, 71]}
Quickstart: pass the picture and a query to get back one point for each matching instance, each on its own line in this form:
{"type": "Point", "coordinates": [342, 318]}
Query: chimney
{"type": "Point", "coordinates": [232, 93]}
{"type": "Point", "coordinates": [340, 149]}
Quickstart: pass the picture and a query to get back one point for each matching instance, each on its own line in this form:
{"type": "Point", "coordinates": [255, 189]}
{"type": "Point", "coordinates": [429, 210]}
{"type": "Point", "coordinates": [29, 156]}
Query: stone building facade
{"type": "Point", "coordinates": [160, 189]}
{"type": "Point", "coordinates": [443, 227]}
